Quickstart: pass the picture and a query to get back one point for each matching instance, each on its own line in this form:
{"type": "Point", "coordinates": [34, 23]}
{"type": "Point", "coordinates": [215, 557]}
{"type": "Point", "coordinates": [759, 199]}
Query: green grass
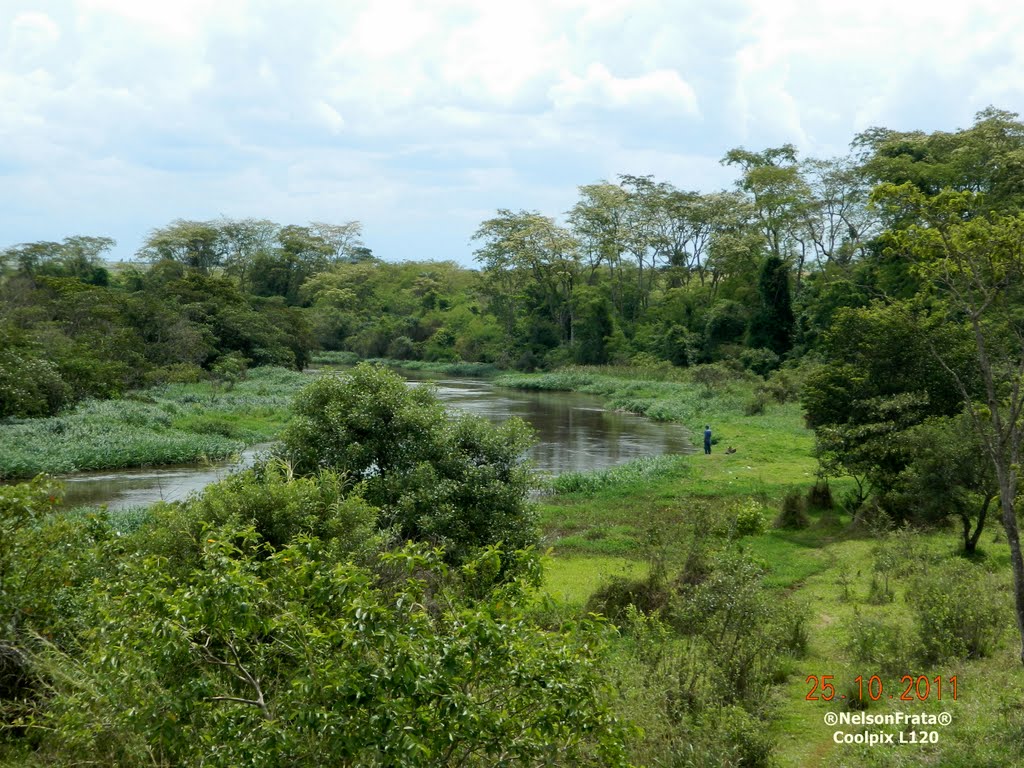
{"type": "Point", "coordinates": [602, 524]}
{"type": "Point", "coordinates": [622, 479]}
{"type": "Point", "coordinates": [571, 580]}
{"type": "Point", "coordinates": [170, 424]}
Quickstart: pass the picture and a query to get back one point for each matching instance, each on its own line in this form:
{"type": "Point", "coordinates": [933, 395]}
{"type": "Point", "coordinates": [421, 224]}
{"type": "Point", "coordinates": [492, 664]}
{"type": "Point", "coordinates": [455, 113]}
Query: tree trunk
{"type": "Point", "coordinates": [971, 540]}
{"type": "Point", "coordinates": [1007, 493]}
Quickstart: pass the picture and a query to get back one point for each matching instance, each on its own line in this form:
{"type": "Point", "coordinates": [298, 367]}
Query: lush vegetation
{"type": "Point", "coordinates": [852, 327]}
{"type": "Point", "coordinates": [291, 615]}
{"type": "Point", "coordinates": [167, 424]}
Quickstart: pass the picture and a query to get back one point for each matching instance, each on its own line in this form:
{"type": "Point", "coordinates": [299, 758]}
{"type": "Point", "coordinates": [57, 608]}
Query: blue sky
{"type": "Point", "coordinates": [421, 118]}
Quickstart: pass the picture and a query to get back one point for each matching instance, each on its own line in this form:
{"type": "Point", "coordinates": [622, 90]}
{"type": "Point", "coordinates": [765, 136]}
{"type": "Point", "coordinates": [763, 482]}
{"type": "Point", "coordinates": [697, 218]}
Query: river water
{"type": "Point", "coordinates": [574, 434]}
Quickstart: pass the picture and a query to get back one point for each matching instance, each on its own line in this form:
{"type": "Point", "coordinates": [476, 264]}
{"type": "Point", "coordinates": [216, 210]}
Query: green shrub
{"type": "Point", "coordinates": [273, 658]}
{"type": "Point", "coordinates": [750, 519]}
{"type": "Point", "coordinates": [881, 644]}
{"type": "Point", "coordinates": [756, 405]}
{"type": "Point", "coordinates": [761, 361]}
{"type": "Point", "coordinates": [176, 373]}
{"type": "Point", "coordinates": [620, 594]}
{"type": "Point", "coordinates": [277, 506]}
{"type": "Point", "coordinates": [960, 610]}
{"type": "Point", "coordinates": [819, 496]}
{"type": "Point", "coordinates": [29, 385]}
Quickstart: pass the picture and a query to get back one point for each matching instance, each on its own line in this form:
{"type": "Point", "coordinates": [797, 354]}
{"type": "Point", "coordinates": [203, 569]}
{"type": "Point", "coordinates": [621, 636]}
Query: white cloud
{"type": "Point", "coordinates": [329, 116]}
{"type": "Point", "coordinates": [662, 89]}
{"type": "Point", "coordinates": [32, 34]}
{"type": "Point", "coordinates": [127, 113]}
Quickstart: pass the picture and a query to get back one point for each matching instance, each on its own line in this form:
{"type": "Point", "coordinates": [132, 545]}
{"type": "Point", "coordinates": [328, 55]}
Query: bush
{"type": "Point", "coordinates": [880, 644]}
{"type": "Point", "coordinates": [961, 611]}
{"type": "Point", "coordinates": [614, 599]}
{"type": "Point", "coordinates": [792, 514]}
{"type": "Point", "coordinates": [755, 406]}
{"type": "Point", "coordinates": [278, 507]}
{"type": "Point", "coordinates": [30, 386]}
{"type": "Point", "coordinates": [761, 361]}
{"type": "Point", "coordinates": [270, 658]}
{"type": "Point", "coordinates": [750, 519]}
{"type": "Point", "coordinates": [453, 480]}
{"type": "Point", "coordinates": [177, 373]}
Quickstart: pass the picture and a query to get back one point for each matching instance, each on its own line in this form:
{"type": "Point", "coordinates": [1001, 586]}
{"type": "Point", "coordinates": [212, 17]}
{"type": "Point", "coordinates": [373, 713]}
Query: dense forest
{"type": "Point", "coordinates": [640, 271]}
{"type": "Point", "coordinates": [883, 290]}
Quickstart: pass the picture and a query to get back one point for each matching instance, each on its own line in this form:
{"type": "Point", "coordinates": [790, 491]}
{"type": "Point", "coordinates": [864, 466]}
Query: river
{"type": "Point", "coordinates": [574, 434]}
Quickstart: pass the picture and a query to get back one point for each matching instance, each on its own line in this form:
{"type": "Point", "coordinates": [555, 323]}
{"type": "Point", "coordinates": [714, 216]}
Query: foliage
{"type": "Point", "coordinates": [257, 656]}
{"type": "Point", "coordinates": [772, 326]}
{"type": "Point", "coordinates": [452, 479]}
{"type": "Point", "coordinates": [276, 505]}
{"type": "Point", "coordinates": [881, 380]}
{"type": "Point", "coordinates": [29, 385]}
{"type": "Point", "coordinates": [750, 519]}
{"type": "Point", "coordinates": [948, 475]}
{"type": "Point", "coordinates": [960, 612]}
{"type": "Point", "coordinates": [883, 644]}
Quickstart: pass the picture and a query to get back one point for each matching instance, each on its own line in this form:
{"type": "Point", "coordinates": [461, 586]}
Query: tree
{"type": "Point", "coordinates": [772, 324]}
{"type": "Point", "coordinates": [196, 244]}
{"type": "Point", "coordinates": [948, 474]}
{"type": "Point", "coordinates": [530, 270]}
{"type": "Point", "coordinates": [592, 326]}
{"type": "Point", "coordinates": [343, 240]}
{"type": "Point", "coordinates": [837, 218]}
{"type": "Point", "coordinates": [986, 160]}
{"type": "Point", "coordinates": [972, 264]}
{"type": "Point", "coordinates": [879, 380]}
{"type": "Point", "coordinates": [284, 656]}
{"type": "Point", "coordinates": [780, 196]}
{"type": "Point", "coordinates": [452, 480]}
{"type": "Point", "coordinates": [245, 242]}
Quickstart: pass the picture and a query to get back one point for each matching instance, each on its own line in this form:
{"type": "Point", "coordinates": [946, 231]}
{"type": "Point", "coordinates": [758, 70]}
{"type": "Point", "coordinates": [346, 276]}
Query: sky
{"type": "Point", "coordinates": [421, 118]}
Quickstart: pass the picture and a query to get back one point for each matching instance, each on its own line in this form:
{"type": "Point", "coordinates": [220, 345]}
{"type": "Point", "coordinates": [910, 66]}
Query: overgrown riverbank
{"type": "Point", "coordinates": [169, 424]}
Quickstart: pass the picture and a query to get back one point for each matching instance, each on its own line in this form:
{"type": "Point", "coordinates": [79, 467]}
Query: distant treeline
{"type": "Point", "coordinates": [641, 272]}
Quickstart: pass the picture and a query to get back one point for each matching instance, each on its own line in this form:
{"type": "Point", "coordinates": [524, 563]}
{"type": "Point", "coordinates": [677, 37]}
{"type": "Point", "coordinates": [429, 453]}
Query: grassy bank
{"type": "Point", "coordinates": [878, 602]}
{"type": "Point", "coordinates": [610, 513]}
{"type": "Point", "coordinates": [171, 424]}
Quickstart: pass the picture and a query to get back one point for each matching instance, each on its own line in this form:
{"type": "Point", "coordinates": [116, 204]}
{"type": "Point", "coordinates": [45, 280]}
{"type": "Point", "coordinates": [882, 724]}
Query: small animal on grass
{"type": "Point", "coordinates": [730, 449]}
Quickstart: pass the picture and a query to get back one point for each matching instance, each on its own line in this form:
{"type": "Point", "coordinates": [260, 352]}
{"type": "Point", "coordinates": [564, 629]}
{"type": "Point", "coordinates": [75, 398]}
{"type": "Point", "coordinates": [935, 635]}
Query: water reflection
{"type": "Point", "coordinates": [574, 433]}
{"type": "Point", "coordinates": [123, 488]}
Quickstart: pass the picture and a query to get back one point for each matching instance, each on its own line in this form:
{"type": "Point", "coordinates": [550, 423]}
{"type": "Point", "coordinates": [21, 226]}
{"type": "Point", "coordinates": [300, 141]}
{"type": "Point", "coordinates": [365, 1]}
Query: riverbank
{"type": "Point", "coordinates": [892, 605]}
{"type": "Point", "coordinates": [169, 424]}
{"type": "Point", "coordinates": [476, 370]}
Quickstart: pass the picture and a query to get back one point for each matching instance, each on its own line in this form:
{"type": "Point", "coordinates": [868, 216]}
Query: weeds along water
{"type": "Point", "coordinates": [171, 424]}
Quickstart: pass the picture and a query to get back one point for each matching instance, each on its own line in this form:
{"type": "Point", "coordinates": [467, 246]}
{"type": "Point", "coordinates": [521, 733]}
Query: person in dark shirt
{"type": "Point", "coordinates": [707, 438]}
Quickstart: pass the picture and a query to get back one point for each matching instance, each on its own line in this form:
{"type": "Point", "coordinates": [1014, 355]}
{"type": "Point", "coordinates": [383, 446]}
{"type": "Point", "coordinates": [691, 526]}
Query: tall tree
{"type": "Point", "coordinates": [244, 242]}
{"type": "Point", "coordinates": [972, 264]}
{"type": "Point", "coordinates": [780, 197]}
{"type": "Point", "coordinates": [772, 325]}
{"type": "Point", "coordinates": [196, 244]}
{"type": "Point", "coordinates": [530, 265]}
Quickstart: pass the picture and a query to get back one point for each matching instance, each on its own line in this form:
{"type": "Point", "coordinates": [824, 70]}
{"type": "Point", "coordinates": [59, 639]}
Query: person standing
{"type": "Point", "coordinates": [707, 438]}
